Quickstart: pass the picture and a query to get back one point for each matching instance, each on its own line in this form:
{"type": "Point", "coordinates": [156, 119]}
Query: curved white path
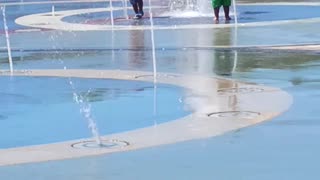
{"type": "Point", "coordinates": [48, 2]}
{"type": "Point", "coordinates": [204, 95]}
{"type": "Point", "coordinates": [48, 21]}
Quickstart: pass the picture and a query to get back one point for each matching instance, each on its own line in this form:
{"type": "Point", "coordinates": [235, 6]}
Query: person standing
{"type": "Point", "coordinates": [226, 7]}
{"type": "Point", "coordinates": [137, 6]}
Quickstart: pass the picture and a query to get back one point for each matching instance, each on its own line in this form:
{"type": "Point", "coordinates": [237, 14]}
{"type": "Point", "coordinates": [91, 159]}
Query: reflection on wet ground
{"type": "Point", "coordinates": [220, 61]}
{"type": "Point", "coordinates": [268, 150]}
{"type": "Point", "coordinates": [285, 148]}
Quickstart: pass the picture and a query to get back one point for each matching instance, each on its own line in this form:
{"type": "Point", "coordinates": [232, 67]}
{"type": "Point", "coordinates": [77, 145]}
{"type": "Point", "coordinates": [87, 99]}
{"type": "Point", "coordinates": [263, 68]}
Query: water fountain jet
{"type": "Point", "coordinates": [85, 110]}
{"type": "Point", "coordinates": [52, 11]}
{"type": "Point", "coordinates": [191, 7]}
{"type": "Point", "coordinates": [153, 45]}
{"type": "Point", "coordinates": [125, 8]}
{"type": "Point", "coordinates": [235, 12]}
{"type": "Point", "coordinates": [111, 13]}
{"type": "Point", "coordinates": [196, 8]}
{"type": "Point", "coordinates": [3, 8]}
{"type": "Point", "coordinates": [154, 62]}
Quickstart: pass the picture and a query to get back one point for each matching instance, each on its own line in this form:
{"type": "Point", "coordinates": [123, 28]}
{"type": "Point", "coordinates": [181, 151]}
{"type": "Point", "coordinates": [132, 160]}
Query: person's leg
{"type": "Point", "coordinates": [140, 7]}
{"type": "Point", "coordinates": [216, 14]}
{"type": "Point", "coordinates": [134, 6]}
{"type": "Point", "coordinates": [226, 7]}
{"type": "Point", "coordinates": [226, 12]}
{"type": "Point", "coordinates": [216, 4]}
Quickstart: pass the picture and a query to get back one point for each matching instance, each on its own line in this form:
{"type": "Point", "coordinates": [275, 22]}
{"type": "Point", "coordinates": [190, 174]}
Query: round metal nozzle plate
{"type": "Point", "coordinates": [111, 144]}
{"type": "Point", "coordinates": [237, 114]}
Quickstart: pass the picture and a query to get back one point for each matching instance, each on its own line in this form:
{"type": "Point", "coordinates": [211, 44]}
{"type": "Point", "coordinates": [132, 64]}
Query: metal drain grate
{"type": "Point", "coordinates": [241, 90]}
{"type": "Point", "coordinates": [110, 144]}
{"type": "Point", "coordinates": [237, 114]}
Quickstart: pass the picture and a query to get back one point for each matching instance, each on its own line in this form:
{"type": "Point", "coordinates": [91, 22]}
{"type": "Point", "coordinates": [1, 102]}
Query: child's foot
{"type": "Point", "coordinates": [216, 20]}
{"type": "Point", "coordinates": [228, 18]}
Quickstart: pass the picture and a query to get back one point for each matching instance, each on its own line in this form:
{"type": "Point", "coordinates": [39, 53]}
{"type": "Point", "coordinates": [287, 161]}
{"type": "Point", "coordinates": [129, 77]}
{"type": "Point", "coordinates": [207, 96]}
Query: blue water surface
{"type": "Point", "coordinates": [40, 110]}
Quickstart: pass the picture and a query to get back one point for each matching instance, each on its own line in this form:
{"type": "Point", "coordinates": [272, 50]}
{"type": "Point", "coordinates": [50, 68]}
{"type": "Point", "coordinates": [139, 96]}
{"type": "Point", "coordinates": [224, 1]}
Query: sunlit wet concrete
{"type": "Point", "coordinates": [285, 148]}
{"type": "Point", "coordinates": [269, 150]}
{"type": "Point", "coordinates": [300, 30]}
{"type": "Point", "coordinates": [216, 104]}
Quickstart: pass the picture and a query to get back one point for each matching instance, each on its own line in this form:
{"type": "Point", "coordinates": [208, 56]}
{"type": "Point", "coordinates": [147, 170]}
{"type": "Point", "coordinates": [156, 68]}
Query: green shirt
{"type": "Point", "coordinates": [219, 3]}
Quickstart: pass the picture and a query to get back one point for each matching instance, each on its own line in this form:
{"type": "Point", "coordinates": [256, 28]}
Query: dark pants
{"type": "Point", "coordinates": [137, 5]}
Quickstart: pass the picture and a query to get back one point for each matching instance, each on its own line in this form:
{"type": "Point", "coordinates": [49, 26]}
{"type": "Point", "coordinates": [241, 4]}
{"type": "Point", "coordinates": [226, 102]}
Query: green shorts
{"type": "Point", "coordinates": [219, 3]}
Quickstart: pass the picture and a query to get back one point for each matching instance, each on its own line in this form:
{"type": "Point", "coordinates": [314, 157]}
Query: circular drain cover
{"type": "Point", "coordinates": [237, 114]}
{"type": "Point", "coordinates": [111, 144]}
{"type": "Point", "coordinates": [241, 90]}
{"type": "Point", "coordinates": [150, 75]}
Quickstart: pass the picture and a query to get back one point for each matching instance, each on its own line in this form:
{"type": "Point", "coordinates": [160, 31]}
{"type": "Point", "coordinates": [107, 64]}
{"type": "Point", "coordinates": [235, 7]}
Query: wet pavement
{"type": "Point", "coordinates": [284, 148]}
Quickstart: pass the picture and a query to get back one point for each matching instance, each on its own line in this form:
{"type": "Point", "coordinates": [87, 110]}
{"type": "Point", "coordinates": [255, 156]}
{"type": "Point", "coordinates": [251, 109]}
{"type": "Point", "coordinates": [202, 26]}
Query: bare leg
{"type": "Point", "coordinates": [226, 12]}
{"type": "Point", "coordinates": [216, 14]}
